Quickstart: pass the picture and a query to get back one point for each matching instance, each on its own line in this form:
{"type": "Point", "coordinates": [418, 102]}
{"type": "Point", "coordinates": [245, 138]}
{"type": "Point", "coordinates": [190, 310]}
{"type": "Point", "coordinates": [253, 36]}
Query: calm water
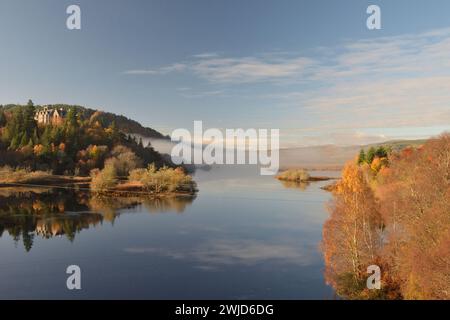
{"type": "Point", "coordinates": [243, 237]}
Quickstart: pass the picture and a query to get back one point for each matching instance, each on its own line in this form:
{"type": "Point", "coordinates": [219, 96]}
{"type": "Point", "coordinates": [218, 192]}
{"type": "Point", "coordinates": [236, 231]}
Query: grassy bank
{"type": "Point", "coordinates": [9, 176]}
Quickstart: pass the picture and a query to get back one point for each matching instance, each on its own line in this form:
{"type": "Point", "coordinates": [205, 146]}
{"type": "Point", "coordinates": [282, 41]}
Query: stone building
{"type": "Point", "coordinates": [48, 115]}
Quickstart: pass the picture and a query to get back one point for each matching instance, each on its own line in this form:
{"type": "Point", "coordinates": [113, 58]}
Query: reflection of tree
{"type": "Point", "coordinates": [165, 204]}
{"type": "Point", "coordinates": [295, 185]}
{"type": "Point", "coordinates": [26, 213]}
{"type": "Point", "coordinates": [109, 207]}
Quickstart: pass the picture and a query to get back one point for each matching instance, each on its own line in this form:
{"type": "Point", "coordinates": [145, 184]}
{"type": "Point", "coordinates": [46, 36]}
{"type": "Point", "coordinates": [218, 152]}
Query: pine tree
{"type": "Point", "coordinates": [71, 119]}
{"type": "Point", "coordinates": [23, 140]}
{"type": "Point", "coordinates": [370, 155]}
{"type": "Point", "coordinates": [2, 119]}
{"type": "Point", "coordinates": [14, 143]}
{"type": "Point", "coordinates": [362, 157]}
{"type": "Point", "coordinates": [381, 152]}
{"type": "Point", "coordinates": [29, 124]}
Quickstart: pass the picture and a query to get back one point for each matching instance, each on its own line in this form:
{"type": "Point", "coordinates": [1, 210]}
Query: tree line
{"type": "Point", "coordinates": [396, 215]}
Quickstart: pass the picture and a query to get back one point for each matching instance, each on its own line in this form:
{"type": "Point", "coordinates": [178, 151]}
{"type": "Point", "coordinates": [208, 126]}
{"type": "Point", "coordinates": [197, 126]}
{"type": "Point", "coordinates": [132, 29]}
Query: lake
{"type": "Point", "coordinates": [244, 236]}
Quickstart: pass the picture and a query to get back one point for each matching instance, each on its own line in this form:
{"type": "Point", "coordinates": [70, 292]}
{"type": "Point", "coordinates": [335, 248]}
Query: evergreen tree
{"type": "Point", "coordinates": [71, 119]}
{"type": "Point", "coordinates": [2, 119]}
{"type": "Point", "coordinates": [14, 143]}
{"type": "Point", "coordinates": [370, 155]}
{"type": "Point", "coordinates": [23, 140]}
{"type": "Point", "coordinates": [381, 152]}
{"type": "Point", "coordinates": [362, 157]}
{"type": "Point", "coordinates": [29, 124]}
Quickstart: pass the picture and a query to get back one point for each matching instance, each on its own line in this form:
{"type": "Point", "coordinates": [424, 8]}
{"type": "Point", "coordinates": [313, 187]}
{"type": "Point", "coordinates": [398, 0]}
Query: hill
{"type": "Point", "coordinates": [332, 157]}
{"type": "Point", "coordinates": [123, 123]}
{"type": "Point", "coordinates": [81, 140]}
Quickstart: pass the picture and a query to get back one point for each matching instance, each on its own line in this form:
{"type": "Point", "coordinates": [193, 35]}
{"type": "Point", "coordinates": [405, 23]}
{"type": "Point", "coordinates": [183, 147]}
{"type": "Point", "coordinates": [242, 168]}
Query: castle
{"type": "Point", "coordinates": [47, 116]}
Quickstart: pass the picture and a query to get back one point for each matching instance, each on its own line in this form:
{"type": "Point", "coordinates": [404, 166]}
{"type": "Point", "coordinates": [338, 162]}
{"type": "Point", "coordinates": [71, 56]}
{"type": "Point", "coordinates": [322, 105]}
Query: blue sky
{"type": "Point", "coordinates": [310, 68]}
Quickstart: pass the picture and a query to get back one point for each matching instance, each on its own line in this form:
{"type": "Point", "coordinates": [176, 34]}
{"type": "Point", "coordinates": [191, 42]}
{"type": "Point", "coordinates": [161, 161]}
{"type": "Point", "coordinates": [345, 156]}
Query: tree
{"type": "Point", "coordinates": [24, 140]}
{"type": "Point", "coordinates": [370, 155]}
{"type": "Point", "coordinates": [123, 160]}
{"type": "Point", "coordinates": [361, 157]}
{"type": "Point", "coordinates": [71, 119]}
{"type": "Point", "coordinates": [351, 234]}
{"type": "Point", "coordinates": [104, 180]}
{"type": "Point", "coordinates": [381, 152]}
{"type": "Point", "coordinates": [404, 229]}
{"type": "Point", "coordinates": [414, 203]}
{"type": "Point", "coordinates": [29, 124]}
{"type": "Point", "coordinates": [2, 119]}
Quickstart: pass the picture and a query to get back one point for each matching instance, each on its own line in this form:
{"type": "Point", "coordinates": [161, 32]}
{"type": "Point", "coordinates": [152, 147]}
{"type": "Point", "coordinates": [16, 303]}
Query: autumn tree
{"type": "Point", "coordinates": [400, 223]}
{"type": "Point", "coordinates": [351, 236]}
{"type": "Point", "coordinates": [415, 204]}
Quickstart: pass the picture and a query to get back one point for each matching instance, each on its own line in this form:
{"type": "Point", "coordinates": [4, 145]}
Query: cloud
{"type": "Point", "coordinates": [396, 81]}
{"type": "Point", "coordinates": [176, 67]}
{"type": "Point", "coordinates": [141, 71]}
{"type": "Point", "coordinates": [250, 69]}
{"type": "Point", "coordinates": [405, 55]}
{"type": "Point", "coordinates": [384, 57]}
{"type": "Point", "coordinates": [390, 82]}
{"type": "Point", "coordinates": [217, 69]}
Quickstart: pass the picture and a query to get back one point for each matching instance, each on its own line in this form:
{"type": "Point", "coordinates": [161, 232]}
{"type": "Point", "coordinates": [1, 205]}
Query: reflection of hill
{"type": "Point", "coordinates": [26, 213]}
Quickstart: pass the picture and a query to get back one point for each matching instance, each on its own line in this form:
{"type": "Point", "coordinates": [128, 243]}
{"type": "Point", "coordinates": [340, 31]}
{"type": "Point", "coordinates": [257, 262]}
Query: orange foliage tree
{"type": "Point", "coordinates": [400, 223]}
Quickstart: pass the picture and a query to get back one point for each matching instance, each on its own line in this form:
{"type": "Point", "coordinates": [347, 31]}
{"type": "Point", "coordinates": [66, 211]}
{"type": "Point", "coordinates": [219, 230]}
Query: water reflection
{"type": "Point", "coordinates": [302, 186]}
{"type": "Point", "coordinates": [47, 213]}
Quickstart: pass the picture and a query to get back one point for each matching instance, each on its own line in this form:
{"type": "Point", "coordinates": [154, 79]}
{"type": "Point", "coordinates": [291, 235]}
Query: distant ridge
{"type": "Point", "coordinates": [397, 145]}
{"type": "Point", "coordinates": [332, 157]}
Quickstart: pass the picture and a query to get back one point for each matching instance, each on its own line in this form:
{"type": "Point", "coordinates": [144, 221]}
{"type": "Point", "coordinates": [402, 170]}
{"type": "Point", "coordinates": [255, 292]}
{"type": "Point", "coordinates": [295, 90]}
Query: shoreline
{"type": "Point", "coordinates": [82, 184]}
{"type": "Point", "coordinates": [310, 179]}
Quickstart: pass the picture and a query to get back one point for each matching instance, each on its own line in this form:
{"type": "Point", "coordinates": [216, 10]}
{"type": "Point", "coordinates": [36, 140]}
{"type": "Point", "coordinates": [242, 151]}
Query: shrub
{"type": "Point", "coordinates": [103, 180]}
{"type": "Point", "coordinates": [297, 175]}
{"type": "Point", "coordinates": [163, 180]}
{"type": "Point", "coordinates": [124, 161]}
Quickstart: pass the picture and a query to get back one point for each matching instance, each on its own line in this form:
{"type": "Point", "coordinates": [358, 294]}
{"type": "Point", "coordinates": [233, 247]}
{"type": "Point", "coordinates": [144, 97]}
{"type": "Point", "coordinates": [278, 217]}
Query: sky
{"type": "Point", "coordinates": [309, 68]}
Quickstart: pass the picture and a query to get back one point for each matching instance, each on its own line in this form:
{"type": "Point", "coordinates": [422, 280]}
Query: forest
{"type": "Point", "coordinates": [392, 209]}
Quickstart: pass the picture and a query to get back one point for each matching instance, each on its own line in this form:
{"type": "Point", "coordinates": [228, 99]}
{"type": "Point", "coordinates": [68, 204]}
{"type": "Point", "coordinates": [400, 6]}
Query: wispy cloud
{"type": "Point", "coordinates": [397, 81]}
{"type": "Point", "coordinates": [217, 69]}
{"type": "Point", "coordinates": [250, 69]}
{"type": "Point", "coordinates": [176, 67]}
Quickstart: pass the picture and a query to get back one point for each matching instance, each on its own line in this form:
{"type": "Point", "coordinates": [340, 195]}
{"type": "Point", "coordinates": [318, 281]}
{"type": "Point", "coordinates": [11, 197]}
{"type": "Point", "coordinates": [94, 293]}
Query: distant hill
{"type": "Point", "coordinates": [398, 145]}
{"type": "Point", "coordinates": [332, 157]}
{"type": "Point", "coordinates": [123, 123]}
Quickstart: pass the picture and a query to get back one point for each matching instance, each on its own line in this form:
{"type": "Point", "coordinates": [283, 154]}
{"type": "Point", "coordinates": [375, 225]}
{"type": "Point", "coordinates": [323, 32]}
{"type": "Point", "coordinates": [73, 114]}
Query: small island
{"type": "Point", "coordinates": [300, 175]}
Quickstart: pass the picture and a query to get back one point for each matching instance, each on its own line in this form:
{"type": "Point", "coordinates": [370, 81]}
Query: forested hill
{"type": "Point", "coordinates": [73, 141]}
{"type": "Point", "coordinates": [123, 123]}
